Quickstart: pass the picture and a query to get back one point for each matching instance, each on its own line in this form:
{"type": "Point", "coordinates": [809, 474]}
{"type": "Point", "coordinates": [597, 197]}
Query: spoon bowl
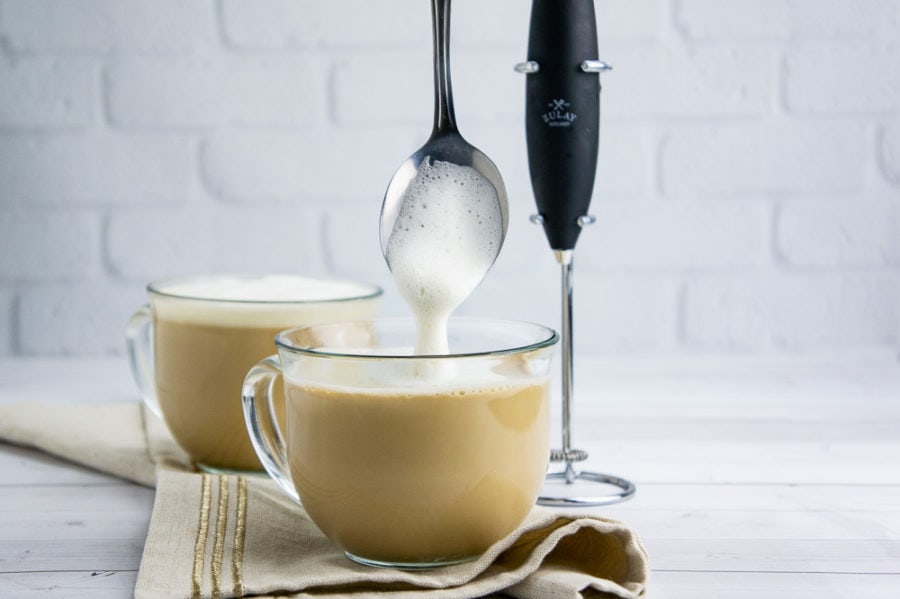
{"type": "Point", "coordinates": [449, 147]}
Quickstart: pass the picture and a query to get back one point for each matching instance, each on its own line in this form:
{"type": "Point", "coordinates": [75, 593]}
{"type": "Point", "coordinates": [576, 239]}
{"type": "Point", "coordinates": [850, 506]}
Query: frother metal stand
{"type": "Point", "coordinates": [562, 115]}
{"type": "Point", "coordinates": [579, 493]}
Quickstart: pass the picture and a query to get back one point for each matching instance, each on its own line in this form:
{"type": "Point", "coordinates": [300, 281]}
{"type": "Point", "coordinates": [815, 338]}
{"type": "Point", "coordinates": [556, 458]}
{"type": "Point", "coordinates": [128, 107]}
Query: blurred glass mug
{"type": "Point", "coordinates": [402, 460]}
{"type": "Point", "coordinates": [190, 348]}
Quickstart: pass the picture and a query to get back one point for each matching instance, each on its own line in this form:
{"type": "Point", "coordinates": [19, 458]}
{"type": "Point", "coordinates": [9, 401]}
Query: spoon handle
{"type": "Point", "coordinates": [444, 116]}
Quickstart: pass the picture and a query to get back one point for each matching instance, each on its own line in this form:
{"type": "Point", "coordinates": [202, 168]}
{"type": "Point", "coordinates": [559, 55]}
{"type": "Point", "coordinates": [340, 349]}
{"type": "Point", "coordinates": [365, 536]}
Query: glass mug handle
{"type": "Point", "coordinates": [139, 341]}
{"type": "Point", "coordinates": [259, 414]}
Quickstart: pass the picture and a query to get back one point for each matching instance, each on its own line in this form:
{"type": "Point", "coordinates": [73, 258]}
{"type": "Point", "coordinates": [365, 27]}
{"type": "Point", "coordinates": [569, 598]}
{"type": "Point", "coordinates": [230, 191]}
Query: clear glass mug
{"type": "Point", "coordinates": [401, 460]}
{"type": "Point", "coordinates": [191, 346]}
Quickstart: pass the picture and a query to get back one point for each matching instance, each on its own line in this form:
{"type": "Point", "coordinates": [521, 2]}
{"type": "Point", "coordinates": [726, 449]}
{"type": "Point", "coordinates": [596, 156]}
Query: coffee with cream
{"type": "Point", "coordinates": [208, 331]}
{"type": "Point", "coordinates": [411, 475]}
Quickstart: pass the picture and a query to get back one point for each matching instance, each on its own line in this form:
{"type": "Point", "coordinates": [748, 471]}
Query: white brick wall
{"type": "Point", "coordinates": [791, 311]}
{"type": "Point", "coordinates": [48, 93]}
{"type": "Point", "coordinates": [817, 234]}
{"type": "Point", "coordinates": [86, 168]}
{"type": "Point", "coordinates": [771, 158]}
{"type": "Point", "coordinates": [7, 322]}
{"type": "Point", "coordinates": [890, 152]}
{"type": "Point", "coordinates": [49, 245]}
{"type": "Point", "coordinates": [748, 191]}
{"type": "Point", "coordinates": [72, 319]}
{"type": "Point", "coordinates": [214, 91]}
{"type": "Point", "coordinates": [107, 26]}
{"type": "Point", "coordinates": [833, 78]}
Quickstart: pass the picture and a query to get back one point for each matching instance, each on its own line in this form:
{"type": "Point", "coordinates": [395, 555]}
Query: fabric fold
{"type": "Point", "coordinates": [220, 536]}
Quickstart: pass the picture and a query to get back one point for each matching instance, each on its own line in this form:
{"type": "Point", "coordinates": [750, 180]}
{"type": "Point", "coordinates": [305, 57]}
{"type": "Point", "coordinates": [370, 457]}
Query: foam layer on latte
{"type": "Point", "coordinates": [443, 244]}
{"type": "Point", "coordinates": [263, 301]}
{"type": "Point", "coordinates": [413, 385]}
{"type": "Point", "coordinates": [415, 375]}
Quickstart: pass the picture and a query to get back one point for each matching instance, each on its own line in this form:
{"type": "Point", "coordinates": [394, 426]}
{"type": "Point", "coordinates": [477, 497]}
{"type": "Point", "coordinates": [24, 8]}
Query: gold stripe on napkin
{"type": "Point", "coordinates": [217, 559]}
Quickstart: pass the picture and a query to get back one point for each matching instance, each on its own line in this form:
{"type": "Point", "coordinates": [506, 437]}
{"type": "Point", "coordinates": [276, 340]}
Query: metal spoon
{"type": "Point", "coordinates": [445, 143]}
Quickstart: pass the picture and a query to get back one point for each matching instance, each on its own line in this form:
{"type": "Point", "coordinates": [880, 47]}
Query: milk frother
{"type": "Point", "coordinates": [562, 120]}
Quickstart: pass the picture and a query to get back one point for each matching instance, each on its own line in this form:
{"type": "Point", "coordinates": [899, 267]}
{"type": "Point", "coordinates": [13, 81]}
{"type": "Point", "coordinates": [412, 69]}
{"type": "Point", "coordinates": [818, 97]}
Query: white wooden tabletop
{"type": "Point", "coordinates": [756, 478]}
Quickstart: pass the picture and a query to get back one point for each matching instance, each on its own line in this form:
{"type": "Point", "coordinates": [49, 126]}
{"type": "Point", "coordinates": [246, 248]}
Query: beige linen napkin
{"type": "Point", "coordinates": [232, 536]}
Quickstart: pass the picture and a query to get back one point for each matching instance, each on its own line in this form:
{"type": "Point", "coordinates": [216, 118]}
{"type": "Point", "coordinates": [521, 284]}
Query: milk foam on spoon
{"type": "Point", "coordinates": [442, 245]}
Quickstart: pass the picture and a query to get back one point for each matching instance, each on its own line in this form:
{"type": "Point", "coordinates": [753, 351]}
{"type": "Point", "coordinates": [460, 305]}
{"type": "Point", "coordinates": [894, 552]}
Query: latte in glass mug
{"type": "Point", "coordinates": [205, 332]}
{"type": "Point", "coordinates": [402, 459]}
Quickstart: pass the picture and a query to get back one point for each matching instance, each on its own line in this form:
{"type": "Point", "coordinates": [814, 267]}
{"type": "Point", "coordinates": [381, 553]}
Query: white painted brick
{"type": "Point", "coordinates": [674, 236]}
{"type": "Point", "coordinates": [149, 245]}
{"type": "Point", "coordinates": [506, 22]}
{"type": "Point", "coordinates": [890, 152]}
{"type": "Point", "coordinates": [792, 312]}
{"type": "Point", "coordinates": [829, 234]}
{"type": "Point", "coordinates": [532, 298]}
{"type": "Point", "coordinates": [653, 80]}
{"type": "Point", "coordinates": [486, 89]}
{"type": "Point", "coordinates": [218, 89]}
{"type": "Point", "coordinates": [499, 23]}
{"type": "Point", "coordinates": [352, 242]}
{"type": "Point", "coordinates": [755, 20]}
{"type": "Point", "coordinates": [525, 250]}
{"type": "Point", "coordinates": [630, 20]}
{"type": "Point", "coordinates": [765, 157]}
{"type": "Point", "coordinates": [48, 246]}
{"type": "Point", "coordinates": [268, 239]}
{"type": "Point", "coordinates": [99, 26]}
{"type": "Point", "coordinates": [826, 78]}
{"type": "Point", "coordinates": [836, 19]}
{"type": "Point", "coordinates": [624, 313]}
{"type": "Point", "coordinates": [367, 92]}
{"type": "Point", "coordinates": [39, 93]}
{"type": "Point", "coordinates": [611, 313]}
{"type": "Point", "coordinates": [94, 168]}
{"type": "Point", "coordinates": [306, 23]}
{"type": "Point", "coordinates": [350, 237]}
{"type": "Point", "coordinates": [7, 326]}
{"type": "Point", "coordinates": [305, 166]}
{"type": "Point", "coordinates": [78, 320]}
{"type": "Point", "coordinates": [736, 19]}
{"type": "Point", "coordinates": [146, 245]}
{"type": "Point", "coordinates": [626, 162]}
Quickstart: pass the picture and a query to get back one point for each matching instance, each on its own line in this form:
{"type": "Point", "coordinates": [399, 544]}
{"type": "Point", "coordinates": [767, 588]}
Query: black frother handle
{"type": "Point", "coordinates": [562, 115]}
